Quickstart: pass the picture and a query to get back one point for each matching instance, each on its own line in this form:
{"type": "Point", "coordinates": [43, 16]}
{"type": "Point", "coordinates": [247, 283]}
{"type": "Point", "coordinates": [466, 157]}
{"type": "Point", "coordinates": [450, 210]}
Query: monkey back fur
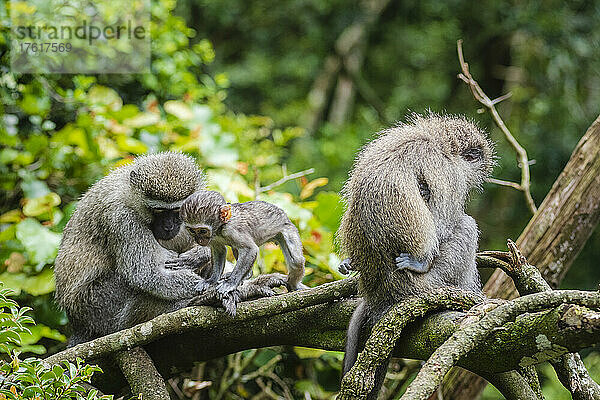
{"type": "Point", "coordinates": [386, 214]}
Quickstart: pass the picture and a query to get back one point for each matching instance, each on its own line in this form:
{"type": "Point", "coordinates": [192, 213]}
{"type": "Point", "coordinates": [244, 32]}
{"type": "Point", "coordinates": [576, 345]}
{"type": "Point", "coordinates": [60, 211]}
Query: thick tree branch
{"type": "Point", "coordinates": [141, 374]}
{"type": "Point", "coordinates": [318, 318]}
{"type": "Point", "coordinates": [203, 317]}
{"type": "Point", "coordinates": [359, 381]}
{"type": "Point", "coordinates": [569, 368]}
{"type": "Point", "coordinates": [473, 335]}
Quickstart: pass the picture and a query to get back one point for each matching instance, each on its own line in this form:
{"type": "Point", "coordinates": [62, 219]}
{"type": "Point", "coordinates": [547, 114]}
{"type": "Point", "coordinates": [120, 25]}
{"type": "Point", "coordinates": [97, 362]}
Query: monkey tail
{"type": "Point", "coordinates": [355, 337]}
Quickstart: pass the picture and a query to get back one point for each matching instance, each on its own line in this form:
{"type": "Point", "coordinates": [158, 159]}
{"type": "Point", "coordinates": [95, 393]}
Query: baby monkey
{"type": "Point", "coordinates": [244, 227]}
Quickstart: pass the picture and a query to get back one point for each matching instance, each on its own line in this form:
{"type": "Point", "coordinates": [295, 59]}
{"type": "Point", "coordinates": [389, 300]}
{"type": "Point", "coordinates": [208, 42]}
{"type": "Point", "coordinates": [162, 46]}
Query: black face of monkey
{"type": "Point", "coordinates": [165, 223]}
{"type": "Point", "coordinates": [473, 154]}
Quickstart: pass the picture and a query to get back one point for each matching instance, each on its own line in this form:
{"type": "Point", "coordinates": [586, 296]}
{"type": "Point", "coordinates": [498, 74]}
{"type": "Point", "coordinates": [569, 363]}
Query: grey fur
{"type": "Point", "coordinates": [405, 228]}
{"type": "Point", "coordinates": [251, 225]}
{"type": "Point", "coordinates": [110, 269]}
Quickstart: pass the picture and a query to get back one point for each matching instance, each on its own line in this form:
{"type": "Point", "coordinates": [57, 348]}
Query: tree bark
{"type": "Point", "coordinates": [552, 239]}
{"type": "Point", "coordinates": [141, 374]}
{"type": "Point", "coordinates": [318, 318]}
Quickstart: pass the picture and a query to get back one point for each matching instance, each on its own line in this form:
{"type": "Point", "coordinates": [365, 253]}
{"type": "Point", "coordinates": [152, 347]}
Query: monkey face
{"type": "Point", "coordinates": [202, 234]}
{"type": "Point", "coordinates": [165, 223]}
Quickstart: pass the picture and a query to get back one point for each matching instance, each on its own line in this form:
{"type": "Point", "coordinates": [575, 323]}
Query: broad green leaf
{"type": "Point", "coordinates": [40, 243]}
{"type": "Point", "coordinates": [41, 205]}
{"type": "Point", "coordinates": [329, 210]}
{"type": "Point", "coordinates": [42, 283]}
{"type": "Point", "coordinates": [104, 98]}
{"type": "Point", "coordinates": [40, 331]}
{"type": "Point", "coordinates": [305, 352]}
{"type": "Point", "coordinates": [34, 188]}
{"type": "Point", "coordinates": [142, 119]}
{"type": "Point", "coordinates": [11, 216]}
{"type": "Point", "coordinates": [131, 145]}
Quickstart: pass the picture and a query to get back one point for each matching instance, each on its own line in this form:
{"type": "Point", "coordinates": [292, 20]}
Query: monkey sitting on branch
{"type": "Point", "coordinates": [113, 268]}
{"type": "Point", "coordinates": [405, 229]}
{"type": "Point", "coordinates": [244, 227]}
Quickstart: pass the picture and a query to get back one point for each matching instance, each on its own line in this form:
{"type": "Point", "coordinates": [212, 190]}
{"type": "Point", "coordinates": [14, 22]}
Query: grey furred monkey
{"type": "Point", "coordinates": [111, 270]}
{"type": "Point", "coordinates": [405, 228]}
{"type": "Point", "coordinates": [244, 227]}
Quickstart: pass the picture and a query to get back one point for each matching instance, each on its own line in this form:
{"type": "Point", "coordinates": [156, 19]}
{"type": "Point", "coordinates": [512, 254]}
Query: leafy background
{"type": "Point", "coordinates": [230, 85]}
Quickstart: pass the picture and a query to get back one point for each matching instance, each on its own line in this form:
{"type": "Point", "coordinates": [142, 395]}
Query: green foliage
{"type": "Point", "coordinates": [31, 378]}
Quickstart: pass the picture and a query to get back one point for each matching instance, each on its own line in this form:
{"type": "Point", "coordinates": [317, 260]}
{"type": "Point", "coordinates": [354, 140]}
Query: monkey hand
{"type": "Point", "coordinates": [406, 261]}
{"type": "Point", "coordinates": [192, 259]}
{"type": "Point", "coordinates": [177, 263]}
{"type": "Point", "coordinates": [345, 266]}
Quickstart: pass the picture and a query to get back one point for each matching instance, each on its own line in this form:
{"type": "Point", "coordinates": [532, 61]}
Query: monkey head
{"type": "Point", "coordinates": [462, 140]}
{"type": "Point", "coordinates": [204, 213]}
{"type": "Point", "coordinates": [164, 180]}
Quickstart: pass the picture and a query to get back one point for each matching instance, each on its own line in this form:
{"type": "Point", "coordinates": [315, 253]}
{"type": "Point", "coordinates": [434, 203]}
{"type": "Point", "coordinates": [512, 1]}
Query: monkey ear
{"type": "Point", "coordinates": [225, 213]}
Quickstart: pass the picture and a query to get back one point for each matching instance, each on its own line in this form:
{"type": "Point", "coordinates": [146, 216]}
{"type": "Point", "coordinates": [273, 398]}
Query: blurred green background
{"type": "Point", "coordinates": [253, 91]}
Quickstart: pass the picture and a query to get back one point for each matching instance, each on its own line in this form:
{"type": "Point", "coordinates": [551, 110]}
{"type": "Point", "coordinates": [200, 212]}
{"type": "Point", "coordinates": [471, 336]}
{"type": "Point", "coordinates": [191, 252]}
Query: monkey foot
{"type": "Point", "coordinates": [229, 295]}
{"type": "Point", "coordinates": [262, 286]}
{"type": "Point", "coordinates": [406, 261]}
{"type": "Point", "coordinates": [201, 286]}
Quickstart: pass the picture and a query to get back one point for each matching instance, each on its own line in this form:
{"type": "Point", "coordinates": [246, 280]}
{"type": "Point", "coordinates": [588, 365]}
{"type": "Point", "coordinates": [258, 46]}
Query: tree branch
{"type": "Point", "coordinates": [141, 374]}
{"type": "Point", "coordinates": [473, 335]}
{"type": "Point", "coordinates": [318, 318]}
{"type": "Point", "coordinates": [569, 368]}
{"type": "Point", "coordinates": [360, 380]}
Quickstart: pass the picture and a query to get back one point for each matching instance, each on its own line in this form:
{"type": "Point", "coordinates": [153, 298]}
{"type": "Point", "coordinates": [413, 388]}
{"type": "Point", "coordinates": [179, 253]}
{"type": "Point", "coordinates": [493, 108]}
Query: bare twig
{"type": "Point", "coordinates": [481, 97]}
{"type": "Point", "coordinates": [283, 180]}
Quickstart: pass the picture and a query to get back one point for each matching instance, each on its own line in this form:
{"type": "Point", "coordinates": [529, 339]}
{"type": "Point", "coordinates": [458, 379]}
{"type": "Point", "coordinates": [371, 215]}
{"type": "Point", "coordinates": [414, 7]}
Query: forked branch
{"type": "Point", "coordinates": [480, 96]}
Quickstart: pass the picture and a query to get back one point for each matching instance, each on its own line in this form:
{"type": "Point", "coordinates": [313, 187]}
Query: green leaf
{"type": "Point", "coordinates": [36, 285]}
{"type": "Point", "coordinates": [131, 145]}
{"type": "Point", "coordinates": [103, 98]}
{"type": "Point", "coordinates": [40, 331]}
{"type": "Point", "coordinates": [179, 109]}
{"type": "Point", "coordinates": [41, 205]}
{"type": "Point", "coordinates": [40, 243]}
{"type": "Point", "coordinates": [142, 119]}
{"type": "Point", "coordinates": [33, 188]}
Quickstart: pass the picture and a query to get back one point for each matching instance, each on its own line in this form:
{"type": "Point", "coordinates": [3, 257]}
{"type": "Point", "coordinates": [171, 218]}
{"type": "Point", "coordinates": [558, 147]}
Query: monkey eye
{"type": "Point", "coordinates": [203, 231]}
{"type": "Point", "coordinates": [424, 190]}
{"type": "Point", "coordinates": [473, 154]}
